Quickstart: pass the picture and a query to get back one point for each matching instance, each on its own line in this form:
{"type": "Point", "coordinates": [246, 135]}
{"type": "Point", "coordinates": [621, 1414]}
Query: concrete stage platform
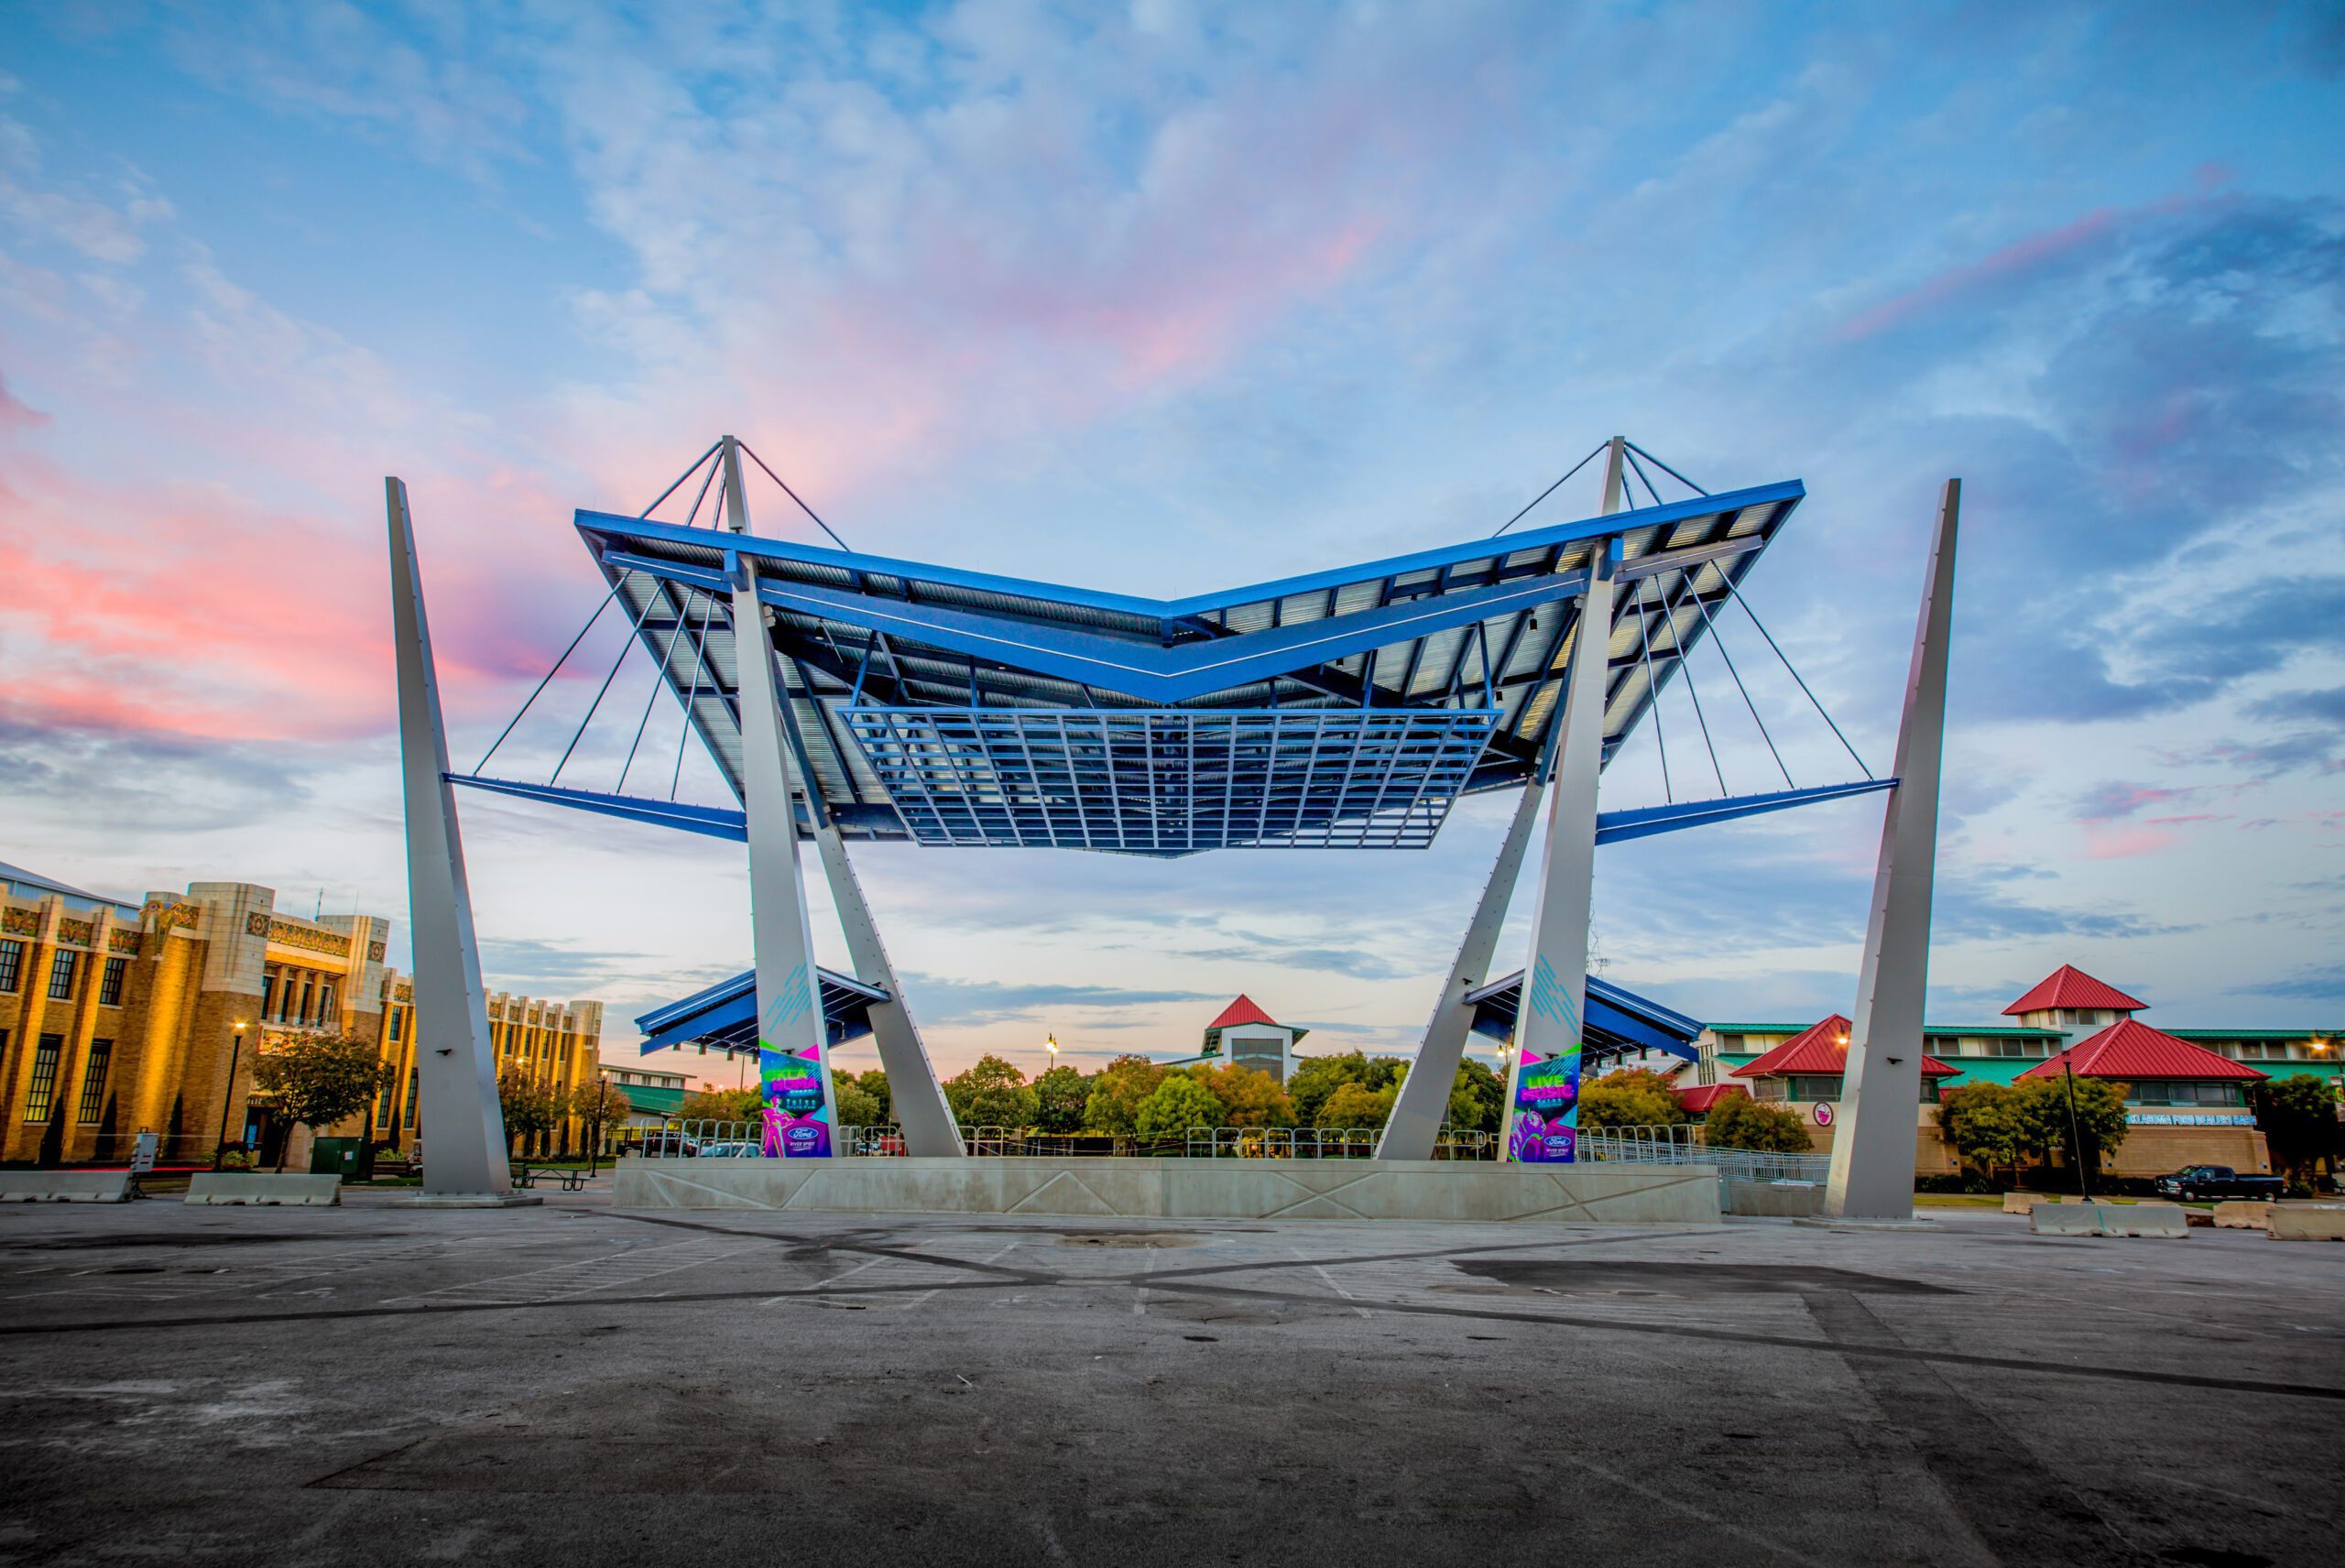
{"type": "Point", "coordinates": [1181, 1189]}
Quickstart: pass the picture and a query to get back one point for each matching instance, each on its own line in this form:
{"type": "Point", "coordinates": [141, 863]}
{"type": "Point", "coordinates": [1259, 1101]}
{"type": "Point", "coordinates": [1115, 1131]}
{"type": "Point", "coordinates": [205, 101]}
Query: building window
{"type": "Point", "coordinates": [12, 966]}
{"type": "Point", "coordinates": [398, 1021]}
{"type": "Point", "coordinates": [93, 1082]}
{"type": "Point", "coordinates": [42, 1091]}
{"type": "Point", "coordinates": [62, 966]}
{"type": "Point", "coordinates": [110, 982]}
{"type": "Point", "coordinates": [326, 1013]}
{"type": "Point", "coordinates": [410, 1118]}
{"type": "Point", "coordinates": [1815, 1088]}
{"type": "Point", "coordinates": [2183, 1092]}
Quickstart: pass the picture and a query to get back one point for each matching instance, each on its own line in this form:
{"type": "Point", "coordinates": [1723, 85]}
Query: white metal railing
{"type": "Point", "coordinates": [1323, 1143]}
{"type": "Point", "coordinates": [1683, 1146]}
{"type": "Point", "coordinates": [707, 1138]}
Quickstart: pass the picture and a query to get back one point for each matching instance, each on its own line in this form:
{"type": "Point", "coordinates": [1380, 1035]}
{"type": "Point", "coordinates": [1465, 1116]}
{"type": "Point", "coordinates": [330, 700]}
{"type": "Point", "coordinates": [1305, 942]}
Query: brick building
{"type": "Point", "coordinates": [118, 1018]}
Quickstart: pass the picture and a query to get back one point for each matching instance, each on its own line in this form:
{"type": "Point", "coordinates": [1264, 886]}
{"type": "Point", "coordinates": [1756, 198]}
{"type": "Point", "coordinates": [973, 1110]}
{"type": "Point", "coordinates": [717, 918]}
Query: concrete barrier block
{"type": "Point", "coordinates": [266, 1187]}
{"type": "Point", "coordinates": [64, 1186]}
{"type": "Point", "coordinates": [2108, 1219]}
{"type": "Point", "coordinates": [2307, 1222]}
{"type": "Point", "coordinates": [2024, 1203]}
{"type": "Point", "coordinates": [2143, 1219]}
{"type": "Point", "coordinates": [2245, 1213]}
{"type": "Point", "coordinates": [2065, 1219]}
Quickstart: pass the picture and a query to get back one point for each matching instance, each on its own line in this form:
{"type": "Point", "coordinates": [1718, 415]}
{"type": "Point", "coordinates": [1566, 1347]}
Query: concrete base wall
{"type": "Point", "coordinates": [1182, 1189]}
{"type": "Point", "coordinates": [1796, 1200]}
{"type": "Point", "coordinates": [2307, 1222]}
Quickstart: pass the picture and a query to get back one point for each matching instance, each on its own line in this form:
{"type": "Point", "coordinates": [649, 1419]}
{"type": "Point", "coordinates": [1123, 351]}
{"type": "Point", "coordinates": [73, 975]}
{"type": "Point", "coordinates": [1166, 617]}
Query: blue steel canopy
{"type": "Point", "coordinates": [724, 1016]}
{"type": "Point", "coordinates": [1618, 1020]}
{"type": "Point", "coordinates": [1346, 708]}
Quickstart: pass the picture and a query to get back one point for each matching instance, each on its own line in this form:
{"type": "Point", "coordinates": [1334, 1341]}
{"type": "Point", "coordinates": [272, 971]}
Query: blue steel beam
{"type": "Point", "coordinates": [1153, 673]}
{"type": "Point", "coordinates": [1168, 610]}
{"type": "Point", "coordinates": [709, 821]}
{"type": "Point", "coordinates": [1615, 827]}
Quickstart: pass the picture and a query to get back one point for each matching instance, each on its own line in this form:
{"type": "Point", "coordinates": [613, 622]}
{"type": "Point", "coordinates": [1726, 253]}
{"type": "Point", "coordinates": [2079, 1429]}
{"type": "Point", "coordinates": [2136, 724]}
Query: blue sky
{"type": "Point", "coordinates": [1162, 297]}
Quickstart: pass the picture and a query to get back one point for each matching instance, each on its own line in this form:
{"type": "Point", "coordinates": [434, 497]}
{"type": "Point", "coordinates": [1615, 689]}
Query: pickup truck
{"type": "Point", "coordinates": [2218, 1182]}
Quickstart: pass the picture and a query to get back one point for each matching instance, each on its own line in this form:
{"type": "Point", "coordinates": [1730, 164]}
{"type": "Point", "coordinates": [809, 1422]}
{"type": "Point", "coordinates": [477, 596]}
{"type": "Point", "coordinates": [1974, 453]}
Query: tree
{"type": "Point", "coordinates": [316, 1080]}
{"type": "Point", "coordinates": [1737, 1121]}
{"type": "Point", "coordinates": [600, 1104]}
{"type": "Point", "coordinates": [530, 1107]}
{"type": "Point", "coordinates": [874, 1083]}
{"type": "Point", "coordinates": [1636, 1097]}
{"type": "Point", "coordinates": [1249, 1097]}
{"type": "Point", "coordinates": [991, 1094]}
{"type": "Point", "coordinates": [2297, 1116]}
{"type": "Point", "coordinates": [1358, 1106]}
{"type": "Point", "coordinates": [1981, 1126]}
{"type": "Point", "coordinates": [1477, 1099]}
{"type": "Point", "coordinates": [1317, 1077]}
{"type": "Point", "coordinates": [2041, 1108]}
{"type": "Point", "coordinates": [1117, 1093]}
{"type": "Point", "coordinates": [720, 1105]}
{"type": "Point", "coordinates": [858, 1106]}
{"type": "Point", "coordinates": [1059, 1096]}
{"type": "Point", "coordinates": [1175, 1106]}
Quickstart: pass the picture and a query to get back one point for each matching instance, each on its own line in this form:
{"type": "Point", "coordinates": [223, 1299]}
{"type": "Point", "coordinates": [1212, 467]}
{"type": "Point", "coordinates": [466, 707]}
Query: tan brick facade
{"type": "Point", "coordinates": [117, 1020]}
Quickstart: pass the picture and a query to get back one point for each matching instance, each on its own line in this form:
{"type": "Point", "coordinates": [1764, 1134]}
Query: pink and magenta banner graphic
{"type": "Point", "coordinates": [797, 1122]}
{"type": "Point", "coordinates": [1546, 1109]}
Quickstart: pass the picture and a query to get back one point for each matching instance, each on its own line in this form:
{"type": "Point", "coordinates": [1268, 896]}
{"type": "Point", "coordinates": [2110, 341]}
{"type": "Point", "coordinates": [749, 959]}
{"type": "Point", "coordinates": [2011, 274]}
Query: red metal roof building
{"type": "Point", "coordinates": [1821, 1051]}
{"type": "Point", "coordinates": [2070, 988]}
{"type": "Point", "coordinates": [2131, 1051]}
{"type": "Point", "coordinates": [1242, 1011]}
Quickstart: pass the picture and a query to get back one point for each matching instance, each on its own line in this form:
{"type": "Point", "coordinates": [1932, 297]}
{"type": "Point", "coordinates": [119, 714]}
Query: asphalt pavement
{"type": "Point", "coordinates": [577, 1386]}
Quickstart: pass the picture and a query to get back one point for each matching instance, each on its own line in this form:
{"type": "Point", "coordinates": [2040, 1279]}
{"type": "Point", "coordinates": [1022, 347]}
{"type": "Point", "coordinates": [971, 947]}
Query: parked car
{"type": "Point", "coordinates": [2218, 1182]}
{"type": "Point", "coordinates": [729, 1149]}
{"type": "Point", "coordinates": [665, 1146]}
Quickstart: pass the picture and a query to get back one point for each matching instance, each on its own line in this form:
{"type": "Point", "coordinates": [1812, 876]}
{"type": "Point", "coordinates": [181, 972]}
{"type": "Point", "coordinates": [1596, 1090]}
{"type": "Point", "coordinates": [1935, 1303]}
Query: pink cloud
{"type": "Point", "coordinates": [2126, 843]}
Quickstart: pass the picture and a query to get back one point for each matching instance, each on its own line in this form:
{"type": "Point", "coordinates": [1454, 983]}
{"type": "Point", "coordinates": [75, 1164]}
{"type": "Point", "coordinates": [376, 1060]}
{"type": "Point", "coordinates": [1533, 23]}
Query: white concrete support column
{"type": "Point", "coordinates": [793, 1058]}
{"type": "Point", "coordinates": [1872, 1148]}
{"type": "Point", "coordinates": [1542, 1084]}
{"type": "Point", "coordinates": [464, 1127]}
{"type": "Point", "coordinates": [1422, 1104]}
{"type": "Point", "coordinates": [920, 1107]}
{"type": "Point", "coordinates": [1414, 1126]}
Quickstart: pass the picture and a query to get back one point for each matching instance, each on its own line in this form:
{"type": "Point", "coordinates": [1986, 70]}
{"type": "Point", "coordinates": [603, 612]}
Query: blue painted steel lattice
{"type": "Point", "coordinates": [1173, 781]}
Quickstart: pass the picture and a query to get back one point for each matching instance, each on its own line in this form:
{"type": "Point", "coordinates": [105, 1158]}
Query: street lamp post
{"type": "Point", "coordinates": [228, 1094]}
{"type": "Point", "coordinates": [2075, 1137]}
{"type": "Point", "coordinates": [1051, 1043]}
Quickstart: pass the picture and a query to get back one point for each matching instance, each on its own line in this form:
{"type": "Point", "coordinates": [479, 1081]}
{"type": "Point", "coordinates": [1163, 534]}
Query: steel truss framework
{"type": "Point", "coordinates": [1343, 708]}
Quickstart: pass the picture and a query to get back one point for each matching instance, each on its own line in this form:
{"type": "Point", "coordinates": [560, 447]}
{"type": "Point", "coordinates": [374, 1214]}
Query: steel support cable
{"type": "Point", "coordinates": [1666, 469]}
{"type": "Point", "coordinates": [672, 489]}
{"type": "Point", "coordinates": [1719, 643]}
{"type": "Point", "coordinates": [658, 682]}
{"type": "Point", "coordinates": [1677, 650]}
{"type": "Point", "coordinates": [1550, 489]}
{"type": "Point", "coordinates": [706, 480]}
{"type": "Point", "coordinates": [624, 648]}
{"type": "Point", "coordinates": [691, 700]}
{"type": "Point", "coordinates": [1755, 621]}
{"type": "Point", "coordinates": [786, 490]}
{"type": "Point", "coordinates": [1638, 469]}
{"type": "Point", "coordinates": [1653, 684]}
{"type": "Point", "coordinates": [616, 585]}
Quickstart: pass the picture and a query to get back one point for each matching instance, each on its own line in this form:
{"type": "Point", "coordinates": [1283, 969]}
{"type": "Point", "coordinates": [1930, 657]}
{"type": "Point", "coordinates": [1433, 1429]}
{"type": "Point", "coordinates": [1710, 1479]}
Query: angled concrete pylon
{"type": "Point", "coordinates": [1881, 1093]}
{"type": "Point", "coordinates": [916, 1099]}
{"type": "Point", "coordinates": [795, 1093]}
{"type": "Point", "coordinates": [462, 1125]}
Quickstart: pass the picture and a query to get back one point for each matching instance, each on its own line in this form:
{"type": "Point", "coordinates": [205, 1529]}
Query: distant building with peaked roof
{"type": "Point", "coordinates": [1243, 1035]}
{"type": "Point", "coordinates": [2184, 1098]}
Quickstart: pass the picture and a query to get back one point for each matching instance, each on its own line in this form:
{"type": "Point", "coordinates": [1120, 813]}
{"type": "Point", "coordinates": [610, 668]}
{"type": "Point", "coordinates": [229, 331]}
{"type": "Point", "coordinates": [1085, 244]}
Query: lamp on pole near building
{"type": "Point", "coordinates": [228, 1094]}
{"type": "Point", "coordinates": [1051, 1043]}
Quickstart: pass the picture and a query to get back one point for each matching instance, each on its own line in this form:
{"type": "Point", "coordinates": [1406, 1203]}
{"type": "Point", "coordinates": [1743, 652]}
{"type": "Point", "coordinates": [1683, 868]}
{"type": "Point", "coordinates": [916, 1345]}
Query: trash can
{"type": "Point", "coordinates": [344, 1156]}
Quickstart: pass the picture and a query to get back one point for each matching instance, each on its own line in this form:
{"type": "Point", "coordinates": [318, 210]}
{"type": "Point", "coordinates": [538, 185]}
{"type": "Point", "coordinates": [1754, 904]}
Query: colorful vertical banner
{"type": "Point", "coordinates": [1543, 1113]}
{"type": "Point", "coordinates": [1546, 1109]}
{"type": "Point", "coordinates": [797, 1111]}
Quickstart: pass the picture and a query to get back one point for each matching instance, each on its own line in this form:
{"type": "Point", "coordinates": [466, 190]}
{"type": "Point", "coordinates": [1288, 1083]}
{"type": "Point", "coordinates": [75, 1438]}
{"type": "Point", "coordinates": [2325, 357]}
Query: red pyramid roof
{"type": "Point", "coordinates": [2131, 1050]}
{"type": "Point", "coordinates": [1696, 1099]}
{"type": "Point", "coordinates": [2069, 986]}
{"type": "Point", "coordinates": [1242, 1011]}
{"type": "Point", "coordinates": [1822, 1050]}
